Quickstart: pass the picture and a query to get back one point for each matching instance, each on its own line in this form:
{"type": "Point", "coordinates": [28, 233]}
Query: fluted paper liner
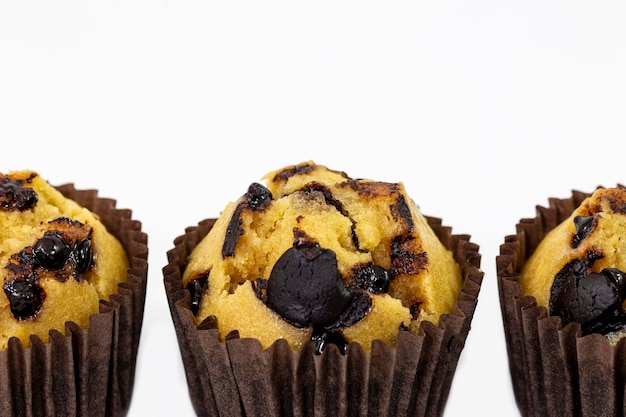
{"type": "Point", "coordinates": [555, 371]}
{"type": "Point", "coordinates": [84, 372]}
{"type": "Point", "coordinates": [239, 378]}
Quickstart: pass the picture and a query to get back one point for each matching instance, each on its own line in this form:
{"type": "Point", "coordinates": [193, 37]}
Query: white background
{"type": "Point", "coordinates": [484, 109]}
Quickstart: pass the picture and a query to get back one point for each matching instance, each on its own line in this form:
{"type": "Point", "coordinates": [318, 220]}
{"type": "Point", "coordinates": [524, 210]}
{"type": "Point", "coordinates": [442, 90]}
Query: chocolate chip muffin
{"type": "Point", "coordinates": [562, 291]}
{"type": "Point", "coordinates": [57, 259]}
{"type": "Point", "coordinates": [316, 255]}
{"type": "Point", "coordinates": [577, 271]}
{"type": "Point", "coordinates": [318, 294]}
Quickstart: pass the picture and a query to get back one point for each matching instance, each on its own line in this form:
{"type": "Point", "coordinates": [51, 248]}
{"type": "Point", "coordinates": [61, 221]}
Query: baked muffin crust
{"type": "Point", "coordinates": [384, 268]}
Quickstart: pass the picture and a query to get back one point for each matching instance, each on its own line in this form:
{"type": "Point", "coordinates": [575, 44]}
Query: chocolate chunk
{"type": "Point", "coordinates": [15, 196]}
{"type": "Point", "coordinates": [372, 278]}
{"type": "Point", "coordinates": [81, 257]}
{"type": "Point", "coordinates": [259, 286]}
{"type": "Point", "coordinates": [256, 198]}
{"type": "Point", "coordinates": [359, 306]}
{"type": "Point", "coordinates": [25, 298]}
{"type": "Point", "coordinates": [593, 299]}
{"type": "Point", "coordinates": [196, 288]}
{"type": "Point", "coordinates": [322, 338]}
{"type": "Point", "coordinates": [51, 252]}
{"type": "Point", "coordinates": [305, 286]}
{"type": "Point", "coordinates": [584, 224]}
{"type": "Point", "coordinates": [67, 249]}
{"type": "Point", "coordinates": [233, 231]}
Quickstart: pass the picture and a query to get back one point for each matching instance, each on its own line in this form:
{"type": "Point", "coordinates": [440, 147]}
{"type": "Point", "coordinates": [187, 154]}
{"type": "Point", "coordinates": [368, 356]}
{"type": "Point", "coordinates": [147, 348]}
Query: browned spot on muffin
{"type": "Point", "coordinates": [406, 255]}
{"type": "Point", "coordinates": [371, 189]}
{"type": "Point", "coordinates": [401, 213]}
{"type": "Point", "coordinates": [14, 195]}
{"type": "Point", "coordinates": [289, 172]}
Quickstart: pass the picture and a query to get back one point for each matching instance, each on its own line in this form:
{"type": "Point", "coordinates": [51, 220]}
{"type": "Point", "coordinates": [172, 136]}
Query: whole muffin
{"type": "Point", "coordinates": [57, 260]}
{"type": "Point", "coordinates": [324, 293]}
{"type": "Point", "coordinates": [74, 271]}
{"type": "Point", "coordinates": [562, 292]}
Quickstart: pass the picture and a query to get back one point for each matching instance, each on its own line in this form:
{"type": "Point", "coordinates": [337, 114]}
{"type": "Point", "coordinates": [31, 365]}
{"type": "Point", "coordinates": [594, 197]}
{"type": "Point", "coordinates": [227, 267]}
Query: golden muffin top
{"type": "Point", "coordinates": [316, 255]}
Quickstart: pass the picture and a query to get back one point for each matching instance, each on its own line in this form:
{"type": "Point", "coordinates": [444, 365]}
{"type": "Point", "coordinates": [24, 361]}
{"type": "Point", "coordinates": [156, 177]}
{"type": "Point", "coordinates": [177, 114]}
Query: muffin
{"type": "Point", "coordinates": [74, 273]}
{"type": "Point", "coordinates": [562, 291]}
{"type": "Point", "coordinates": [304, 291]}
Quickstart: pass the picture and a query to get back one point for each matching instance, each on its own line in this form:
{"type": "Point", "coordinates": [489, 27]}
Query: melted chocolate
{"type": "Point", "coordinates": [15, 196]}
{"type": "Point", "coordinates": [401, 212]}
{"type": "Point", "coordinates": [25, 297]}
{"type": "Point", "coordinates": [593, 299]}
{"type": "Point", "coordinates": [372, 278]}
{"type": "Point", "coordinates": [197, 287]}
{"type": "Point", "coordinates": [306, 289]}
{"type": "Point", "coordinates": [257, 198]}
{"type": "Point", "coordinates": [322, 338]}
{"type": "Point", "coordinates": [584, 225]}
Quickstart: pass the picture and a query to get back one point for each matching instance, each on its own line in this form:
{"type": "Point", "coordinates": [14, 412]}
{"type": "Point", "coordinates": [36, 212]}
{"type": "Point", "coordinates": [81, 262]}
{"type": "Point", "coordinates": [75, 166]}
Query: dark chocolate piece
{"type": "Point", "coordinates": [322, 338]}
{"type": "Point", "coordinates": [51, 252]}
{"type": "Point", "coordinates": [359, 306]}
{"type": "Point", "coordinates": [14, 196]}
{"type": "Point", "coordinates": [258, 196]}
{"type": "Point", "coordinates": [25, 298]}
{"type": "Point", "coordinates": [372, 278]}
{"type": "Point", "coordinates": [584, 224]}
{"type": "Point", "coordinates": [197, 287]}
{"type": "Point", "coordinates": [593, 299]}
{"type": "Point", "coordinates": [305, 286]}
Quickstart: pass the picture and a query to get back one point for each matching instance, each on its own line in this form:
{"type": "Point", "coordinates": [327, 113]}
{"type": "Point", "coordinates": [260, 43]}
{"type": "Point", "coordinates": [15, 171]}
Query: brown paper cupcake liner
{"type": "Point", "coordinates": [555, 371]}
{"type": "Point", "coordinates": [84, 372]}
{"type": "Point", "coordinates": [239, 378]}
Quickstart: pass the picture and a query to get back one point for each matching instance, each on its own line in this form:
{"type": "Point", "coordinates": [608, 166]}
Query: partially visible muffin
{"type": "Point", "coordinates": [317, 255]}
{"type": "Point", "coordinates": [57, 260]}
{"type": "Point", "coordinates": [562, 291]}
{"type": "Point", "coordinates": [577, 270]}
{"type": "Point", "coordinates": [318, 294]}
